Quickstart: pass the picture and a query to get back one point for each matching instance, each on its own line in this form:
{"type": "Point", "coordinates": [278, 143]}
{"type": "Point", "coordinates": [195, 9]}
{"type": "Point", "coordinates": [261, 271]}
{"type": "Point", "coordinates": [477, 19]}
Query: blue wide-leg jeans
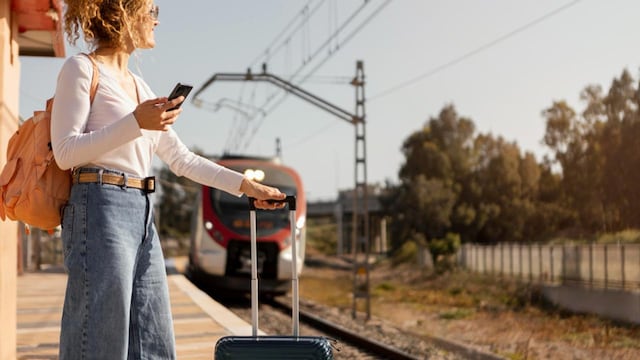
{"type": "Point", "coordinates": [117, 299]}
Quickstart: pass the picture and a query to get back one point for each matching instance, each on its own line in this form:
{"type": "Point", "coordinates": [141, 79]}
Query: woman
{"type": "Point", "coordinates": [117, 301]}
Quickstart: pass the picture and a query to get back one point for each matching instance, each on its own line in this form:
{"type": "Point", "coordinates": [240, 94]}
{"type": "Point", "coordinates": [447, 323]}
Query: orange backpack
{"type": "Point", "coordinates": [33, 189]}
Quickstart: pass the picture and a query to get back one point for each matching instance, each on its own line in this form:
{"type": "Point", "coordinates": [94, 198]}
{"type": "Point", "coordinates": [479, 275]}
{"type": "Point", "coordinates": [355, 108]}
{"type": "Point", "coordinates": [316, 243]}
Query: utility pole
{"type": "Point", "coordinates": [360, 242]}
{"type": "Point", "coordinates": [360, 225]}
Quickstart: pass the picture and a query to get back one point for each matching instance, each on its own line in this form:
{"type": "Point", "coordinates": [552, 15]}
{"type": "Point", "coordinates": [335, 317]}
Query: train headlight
{"type": "Point", "coordinates": [208, 225]}
{"type": "Point", "coordinates": [254, 174]}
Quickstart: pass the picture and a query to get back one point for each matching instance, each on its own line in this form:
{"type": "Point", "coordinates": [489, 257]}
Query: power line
{"type": "Point", "coordinates": [474, 51]}
{"type": "Point", "coordinates": [314, 134]}
{"type": "Point", "coordinates": [349, 37]}
{"type": "Point", "coordinates": [321, 79]}
{"type": "Point", "coordinates": [277, 97]}
{"type": "Point", "coordinates": [304, 14]}
{"type": "Point", "coordinates": [327, 42]}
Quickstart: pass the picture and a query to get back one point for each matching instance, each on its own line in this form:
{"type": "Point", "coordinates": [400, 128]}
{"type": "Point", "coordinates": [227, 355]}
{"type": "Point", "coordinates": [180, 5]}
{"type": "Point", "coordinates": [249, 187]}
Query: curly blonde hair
{"type": "Point", "coordinates": [104, 22]}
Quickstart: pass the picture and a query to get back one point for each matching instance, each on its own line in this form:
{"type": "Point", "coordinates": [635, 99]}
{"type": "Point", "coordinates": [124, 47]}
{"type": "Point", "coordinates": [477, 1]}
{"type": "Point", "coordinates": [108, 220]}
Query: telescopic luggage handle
{"type": "Point", "coordinates": [290, 200]}
{"type": "Point", "coordinates": [295, 301]}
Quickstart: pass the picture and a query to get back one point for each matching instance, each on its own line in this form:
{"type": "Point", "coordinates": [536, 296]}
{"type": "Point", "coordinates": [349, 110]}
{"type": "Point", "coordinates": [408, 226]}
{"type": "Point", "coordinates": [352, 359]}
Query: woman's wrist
{"type": "Point", "coordinates": [246, 186]}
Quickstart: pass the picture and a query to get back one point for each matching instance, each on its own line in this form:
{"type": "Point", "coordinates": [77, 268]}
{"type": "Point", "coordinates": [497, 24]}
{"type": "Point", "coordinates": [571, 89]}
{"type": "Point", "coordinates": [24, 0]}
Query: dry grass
{"type": "Point", "coordinates": [499, 316]}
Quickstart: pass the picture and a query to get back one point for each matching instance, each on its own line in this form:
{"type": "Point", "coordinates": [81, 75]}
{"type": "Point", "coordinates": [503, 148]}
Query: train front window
{"type": "Point", "coordinates": [233, 212]}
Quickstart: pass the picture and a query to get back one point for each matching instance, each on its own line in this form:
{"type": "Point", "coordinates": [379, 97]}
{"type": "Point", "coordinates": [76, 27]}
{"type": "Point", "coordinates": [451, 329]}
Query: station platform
{"type": "Point", "coordinates": [199, 321]}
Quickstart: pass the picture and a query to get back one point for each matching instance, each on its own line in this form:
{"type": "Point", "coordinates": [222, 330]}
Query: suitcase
{"type": "Point", "coordinates": [274, 347]}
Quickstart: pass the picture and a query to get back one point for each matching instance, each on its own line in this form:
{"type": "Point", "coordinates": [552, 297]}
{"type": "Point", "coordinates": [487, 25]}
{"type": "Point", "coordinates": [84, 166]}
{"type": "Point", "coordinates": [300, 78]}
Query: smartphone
{"type": "Point", "coordinates": [180, 89]}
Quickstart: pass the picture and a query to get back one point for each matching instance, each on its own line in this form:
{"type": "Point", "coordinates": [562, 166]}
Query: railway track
{"type": "Point", "coordinates": [353, 339]}
{"type": "Point", "coordinates": [364, 345]}
{"type": "Point", "coordinates": [378, 340]}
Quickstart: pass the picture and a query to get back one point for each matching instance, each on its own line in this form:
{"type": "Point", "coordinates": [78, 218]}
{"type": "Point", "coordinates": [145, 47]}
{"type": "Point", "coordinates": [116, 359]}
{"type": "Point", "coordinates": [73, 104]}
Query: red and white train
{"type": "Point", "coordinates": [220, 249]}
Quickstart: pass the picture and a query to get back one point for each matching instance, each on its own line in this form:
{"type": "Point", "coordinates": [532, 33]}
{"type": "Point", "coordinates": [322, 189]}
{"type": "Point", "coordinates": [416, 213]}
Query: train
{"type": "Point", "coordinates": [220, 256]}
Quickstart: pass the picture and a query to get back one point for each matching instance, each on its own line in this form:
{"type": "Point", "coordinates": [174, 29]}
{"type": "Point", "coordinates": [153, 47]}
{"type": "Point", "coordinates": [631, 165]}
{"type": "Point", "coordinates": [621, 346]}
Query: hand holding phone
{"type": "Point", "coordinates": [179, 89]}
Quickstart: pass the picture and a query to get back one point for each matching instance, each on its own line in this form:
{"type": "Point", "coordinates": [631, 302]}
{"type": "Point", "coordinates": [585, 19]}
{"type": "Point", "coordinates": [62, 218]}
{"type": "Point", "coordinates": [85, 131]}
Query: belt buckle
{"type": "Point", "coordinates": [149, 184]}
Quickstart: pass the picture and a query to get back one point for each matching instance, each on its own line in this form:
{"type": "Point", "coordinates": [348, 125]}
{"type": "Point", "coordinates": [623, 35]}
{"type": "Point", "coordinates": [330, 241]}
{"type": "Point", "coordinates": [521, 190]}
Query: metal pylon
{"type": "Point", "coordinates": [360, 244]}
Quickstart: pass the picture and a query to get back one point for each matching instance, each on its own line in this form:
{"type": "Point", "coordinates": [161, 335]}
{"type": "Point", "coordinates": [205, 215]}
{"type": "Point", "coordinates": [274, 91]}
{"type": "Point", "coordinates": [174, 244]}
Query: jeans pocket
{"type": "Point", "coordinates": [67, 231]}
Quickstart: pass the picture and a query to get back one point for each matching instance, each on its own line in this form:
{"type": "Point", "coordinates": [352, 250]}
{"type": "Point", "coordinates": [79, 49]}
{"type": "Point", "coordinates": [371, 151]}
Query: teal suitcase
{"type": "Point", "coordinates": [274, 347]}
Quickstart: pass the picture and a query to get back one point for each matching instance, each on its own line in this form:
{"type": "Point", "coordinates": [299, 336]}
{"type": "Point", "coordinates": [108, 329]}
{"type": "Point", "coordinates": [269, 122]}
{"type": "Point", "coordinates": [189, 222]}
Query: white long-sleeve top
{"type": "Point", "coordinates": [106, 134]}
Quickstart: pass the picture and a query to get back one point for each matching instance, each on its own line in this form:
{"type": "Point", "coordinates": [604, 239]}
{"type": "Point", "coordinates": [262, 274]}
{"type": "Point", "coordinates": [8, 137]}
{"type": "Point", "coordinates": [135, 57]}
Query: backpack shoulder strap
{"type": "Point", "coordinates": [94, 79]}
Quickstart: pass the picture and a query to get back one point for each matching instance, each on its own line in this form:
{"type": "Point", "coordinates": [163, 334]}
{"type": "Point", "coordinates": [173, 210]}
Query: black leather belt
{"type": "Point", "coordinates": [147, 184]}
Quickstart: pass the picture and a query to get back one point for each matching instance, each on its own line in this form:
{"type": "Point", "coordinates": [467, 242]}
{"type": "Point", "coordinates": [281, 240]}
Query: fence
{"type": "Point", "coordinates": [607, 266]}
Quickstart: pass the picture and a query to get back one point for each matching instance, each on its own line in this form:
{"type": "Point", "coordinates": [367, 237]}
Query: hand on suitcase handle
{"type": "Point", "coordinates": [290, 200]}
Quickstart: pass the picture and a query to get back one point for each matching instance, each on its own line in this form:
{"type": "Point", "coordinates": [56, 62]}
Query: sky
{"type": "Point", "coordinates": [499, 62]}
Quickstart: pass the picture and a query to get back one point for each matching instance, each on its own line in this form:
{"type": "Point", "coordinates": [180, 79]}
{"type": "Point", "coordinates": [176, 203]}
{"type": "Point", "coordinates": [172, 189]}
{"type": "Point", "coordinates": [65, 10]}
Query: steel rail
{"type": "Point", "coordinates": [346, 335]}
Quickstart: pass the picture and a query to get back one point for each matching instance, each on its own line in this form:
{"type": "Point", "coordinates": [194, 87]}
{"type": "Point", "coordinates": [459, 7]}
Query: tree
{"type": "Point", "coordinates": [597, 152]}
{"type": "Point", "coordinates": [506, 184]}
{"type": "Point", "coordinates": [437, 159]}
{"type": "Point", "coordinates": [572, 138]}
{"type": "Point", "coordinates": [483, 189]}
{"type": "Point", "coordinates": [479, 188]}
{"type": "Point", "coordinates": [620, 146]}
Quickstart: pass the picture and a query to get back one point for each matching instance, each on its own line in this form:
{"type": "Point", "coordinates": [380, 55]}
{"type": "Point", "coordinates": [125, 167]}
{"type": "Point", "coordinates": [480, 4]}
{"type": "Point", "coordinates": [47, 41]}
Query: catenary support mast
{"type": "Point", "coordinates": [360, 242]}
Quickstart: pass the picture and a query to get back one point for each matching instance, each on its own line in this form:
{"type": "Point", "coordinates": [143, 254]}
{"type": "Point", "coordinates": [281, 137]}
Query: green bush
{"type": "Point", "coordinates": [408, 252]}
{"type": "Point", "coordinates": [443, 247]}
{"type": "Point", "coordinates": [443, 251]}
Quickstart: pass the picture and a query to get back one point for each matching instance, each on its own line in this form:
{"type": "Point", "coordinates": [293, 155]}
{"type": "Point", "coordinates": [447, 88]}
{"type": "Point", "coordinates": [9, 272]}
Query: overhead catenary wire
{"type": "Point", "coordinates": [318, 50]}
{"type": "Point", "coordinates": [348, 38]}
{"type": "Point", "coordinates": [269, 52]}
{"type": "Point", "coordinates": [473, 52]}
{"type": "Point", "coordinates": [283, 94]}
{"type": "Point", "coordinates": [266, 111]}
{"type": "Point", "coordinates": [453, 62]}
{"type": "Point", "coordinates": [240, 126]}
{"type": "Point", "coordinates": [314, 134]}
{"type": "Point", "coordinates": [322, 79]}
